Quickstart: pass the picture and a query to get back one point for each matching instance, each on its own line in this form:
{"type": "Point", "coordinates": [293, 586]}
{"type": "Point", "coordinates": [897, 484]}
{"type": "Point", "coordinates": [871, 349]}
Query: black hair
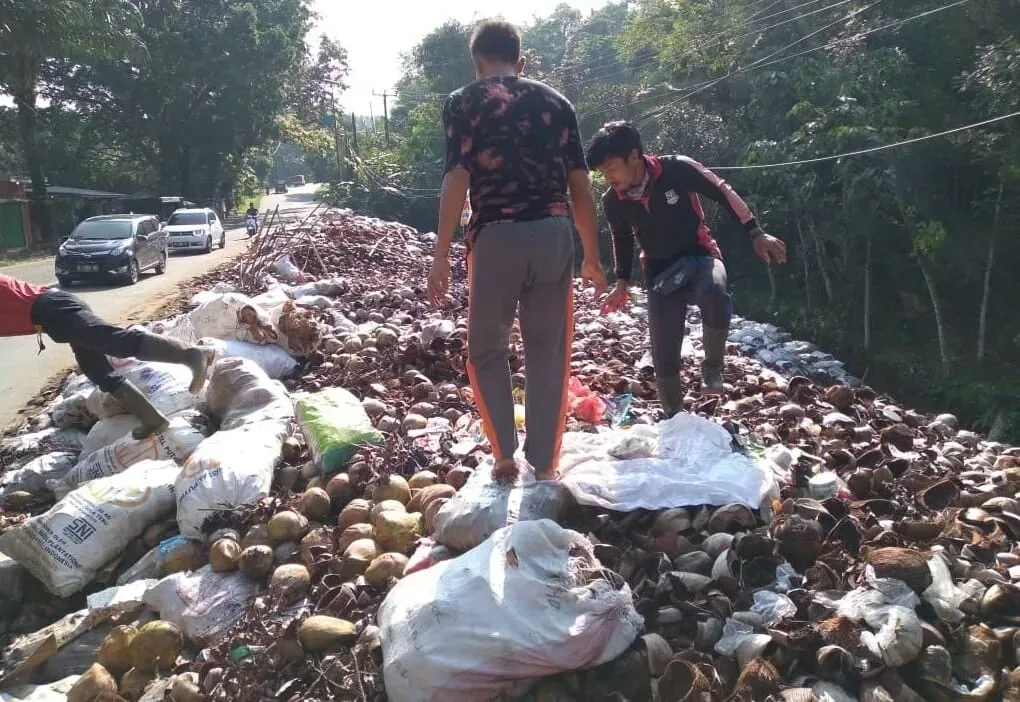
{"type": "Point", "coordinates": [497, 40]}
{"type": "Point", "coordinates": [613, 140]}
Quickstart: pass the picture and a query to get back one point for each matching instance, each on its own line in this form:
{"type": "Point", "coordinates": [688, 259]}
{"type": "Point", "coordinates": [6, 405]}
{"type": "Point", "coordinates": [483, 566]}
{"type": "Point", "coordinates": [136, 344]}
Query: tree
{"type": "Point", "coordinates": [36, 33]}
{"type": "Point", "coordinates": [214, 79]}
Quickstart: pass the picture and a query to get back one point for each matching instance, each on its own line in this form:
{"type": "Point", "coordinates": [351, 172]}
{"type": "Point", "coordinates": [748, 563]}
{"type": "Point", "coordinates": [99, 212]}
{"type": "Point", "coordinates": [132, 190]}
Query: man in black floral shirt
{"type": "Point", "coordinates": [515, 143]}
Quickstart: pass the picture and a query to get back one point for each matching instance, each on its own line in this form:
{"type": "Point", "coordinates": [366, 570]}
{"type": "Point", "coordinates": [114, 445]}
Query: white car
{"type": "Point", "coordinates": [199, 229]}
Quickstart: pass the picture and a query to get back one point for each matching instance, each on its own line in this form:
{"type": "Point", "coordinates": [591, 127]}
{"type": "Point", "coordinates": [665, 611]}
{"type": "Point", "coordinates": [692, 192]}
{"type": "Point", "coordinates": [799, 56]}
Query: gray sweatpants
{"type": "Point", "coordinates": [527, 265]}
{"type": "Point", "coordinates": [667, 316]}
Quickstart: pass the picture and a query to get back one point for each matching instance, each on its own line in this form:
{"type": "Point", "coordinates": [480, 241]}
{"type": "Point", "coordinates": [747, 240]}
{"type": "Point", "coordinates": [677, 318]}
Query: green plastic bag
{"type": "Point", "coordinates": [335, 426]}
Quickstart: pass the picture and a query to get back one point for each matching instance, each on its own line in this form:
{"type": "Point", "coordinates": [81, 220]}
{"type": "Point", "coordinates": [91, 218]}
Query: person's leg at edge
{"type": "Point", "coordinates": [712, 297]}
{"type": "Point", "coordinates": [494, 282]}
{"type": "Point", "coordinates": [97, 368]}
{"type": "Point", "coordinates": [68, 319]}
{"type": "Point", "coordinates": [547, 330]}
{"type": "Point", "coordinates": [667, 322]}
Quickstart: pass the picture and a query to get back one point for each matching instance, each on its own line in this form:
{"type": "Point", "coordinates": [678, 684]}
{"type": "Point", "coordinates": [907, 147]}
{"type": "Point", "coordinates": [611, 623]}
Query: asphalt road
{"type": "Point", "coordinates": [24, 372]}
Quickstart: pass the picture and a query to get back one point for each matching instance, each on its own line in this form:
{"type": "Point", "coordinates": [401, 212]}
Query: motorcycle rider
{"type": "Point", "coordinates": [251, 219]}
{"type": "Point", "coordinates": [27, 309]}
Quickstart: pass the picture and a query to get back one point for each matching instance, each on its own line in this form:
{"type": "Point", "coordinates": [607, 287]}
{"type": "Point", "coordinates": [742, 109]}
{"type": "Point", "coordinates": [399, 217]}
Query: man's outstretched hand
{"type": "Point", "coordinates": [439, 281]}
{"type": "Point", "coordinates": [617, 299]}
{"type": "Point", "coordinates": [769, 248]}
{"type": "Point", "coordinates": [592, 273]}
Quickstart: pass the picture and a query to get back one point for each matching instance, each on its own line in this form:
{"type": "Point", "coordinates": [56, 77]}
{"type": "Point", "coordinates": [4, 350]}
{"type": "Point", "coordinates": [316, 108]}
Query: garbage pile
{"type": "Point", "coordinates": [321, 523]}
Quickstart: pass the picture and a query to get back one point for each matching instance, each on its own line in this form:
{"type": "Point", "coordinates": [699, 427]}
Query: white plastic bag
{"type": "Point", "coordinates": [694, 465]}
{"type": "Point", "coordinates": [72, 412]}
{"type": "Point", "coordinates": [487, 624]}
{"type": "Point", "coordinates": [273, 359]}
{"type": "Point", "coordinates": [66, 546]}
{"type": "Point", "coordinates": [203, 604]}
{"type": "Point", "coordinates": [240, 392]}
{"type": "Point", "coordinates": [230, 468]}
{"type": "Point", "coordinates": [233, 316]}
{"type": "Point", "coordinates": [288, 270]}
{"type": "Point", "coordinates": [34, 475]}
{"type": "Point", "coordinates": [175, 444]}
{"type": "Point", "coordinates": [106, 431]}
{"type": "Point", "coordinates": [166, 385]}
{"type": "Point", "coordinates": [33, 444]}
{"type": "Point", "coordinates": [53, 692]}
{"type": "Point", "coordinates": [483, 506]}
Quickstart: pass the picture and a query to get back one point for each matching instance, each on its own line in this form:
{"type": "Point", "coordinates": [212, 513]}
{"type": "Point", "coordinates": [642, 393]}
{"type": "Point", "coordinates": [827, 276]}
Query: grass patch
{"type": "Point", "coordinates": [14, 259]}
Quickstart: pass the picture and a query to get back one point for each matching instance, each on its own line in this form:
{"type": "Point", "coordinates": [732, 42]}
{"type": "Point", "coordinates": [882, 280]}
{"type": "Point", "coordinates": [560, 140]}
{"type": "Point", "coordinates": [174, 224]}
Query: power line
{"type": "Point", "coordinates": [873, 149]}
{"type": "Point", "coordinates": [702, 88]}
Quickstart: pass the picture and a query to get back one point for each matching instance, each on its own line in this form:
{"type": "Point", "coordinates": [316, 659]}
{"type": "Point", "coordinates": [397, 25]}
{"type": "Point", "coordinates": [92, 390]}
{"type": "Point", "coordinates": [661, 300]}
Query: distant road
{"type": "Point", "coordinates": [24, 372]}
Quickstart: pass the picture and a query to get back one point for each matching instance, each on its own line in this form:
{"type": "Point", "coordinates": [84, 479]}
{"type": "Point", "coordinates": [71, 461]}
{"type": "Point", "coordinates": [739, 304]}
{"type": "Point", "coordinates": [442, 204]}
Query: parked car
{"type": "Point", "coordinates": [119, 247]}
{"type": "Point", "coordinates": [281, 186]}
{"type": "Point", "coordinates": [297, 180]}
{"type": "Point", "coordinates": [195, 229]}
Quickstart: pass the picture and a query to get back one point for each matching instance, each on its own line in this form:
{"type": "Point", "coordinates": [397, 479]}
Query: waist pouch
{"type": "Point", "coordinates": [680, 274]}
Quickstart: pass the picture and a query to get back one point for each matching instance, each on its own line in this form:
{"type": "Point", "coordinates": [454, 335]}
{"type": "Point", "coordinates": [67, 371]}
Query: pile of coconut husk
{"type": "Point", "coordinates": [887, 569]}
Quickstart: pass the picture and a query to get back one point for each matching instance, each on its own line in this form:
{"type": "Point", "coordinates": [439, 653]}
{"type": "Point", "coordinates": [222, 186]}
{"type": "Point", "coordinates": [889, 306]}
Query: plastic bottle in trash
{"type": "Point", "coordinates": [823, 485]}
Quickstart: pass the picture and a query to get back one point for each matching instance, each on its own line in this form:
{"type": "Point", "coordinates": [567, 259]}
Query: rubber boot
{"type": "Point", "coordinates": [671, 394]}
{"type": "Point", "coordinates": [714, 341]}
{"type": "Point", "coordinates": [163, 349]}
{"type": "Point", "coordinates": [132, 399]}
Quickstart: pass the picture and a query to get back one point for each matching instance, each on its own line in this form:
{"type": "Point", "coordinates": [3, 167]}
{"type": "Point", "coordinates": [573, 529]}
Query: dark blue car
{"type": "Point", "coordinates": [112, 248]}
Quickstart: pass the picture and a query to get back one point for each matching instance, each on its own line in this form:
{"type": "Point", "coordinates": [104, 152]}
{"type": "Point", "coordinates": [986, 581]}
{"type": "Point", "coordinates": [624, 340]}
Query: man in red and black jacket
{"type": "Point", "coordinates": [655, 200]}
{"type": "Point", "coordinates": [27, 309]}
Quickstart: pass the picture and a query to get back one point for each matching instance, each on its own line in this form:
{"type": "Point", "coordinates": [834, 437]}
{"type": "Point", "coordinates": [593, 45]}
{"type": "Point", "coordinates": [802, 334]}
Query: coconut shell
{"type": "Point", "coordinates": [357, 512]}
{"type": "Point", "coordinates": [290, 583]}
{"type": "Point", "coordinates": [223, 555]}
{"type": "Point", "coordinates": [397, 532]}
{"type": "Point", "coordinates": [156, 646]}
{"type": "Point", "coordinates": [358, 556]}
{"type": "Point", "coordinates": [424, 497]}
{"type": "Point", "coordinates": [95, 684]}
{"type": "Point", "coordinates": [115, 651]}
{"type": "Point", "coordinates": [903, 564]}
{"type": "Point", "coordinates": [319, 634]}
{"type": "Point", "coordinates": [456, 477]}
{"type": "Point", "coordinates": [386, 566]}
{"type": "Point", "coordinates": [316, 539]}
{"type": "Point", "coordinates": [392, 487]}
{"type": "Point", "coordinates": [315, 504]}
{"type": "Point", "coordinates": [256, 562]}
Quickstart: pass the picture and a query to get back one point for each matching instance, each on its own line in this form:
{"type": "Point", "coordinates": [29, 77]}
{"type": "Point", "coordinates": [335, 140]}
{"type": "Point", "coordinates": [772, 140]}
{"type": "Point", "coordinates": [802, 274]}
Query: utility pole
{"type": "Point", "coordinates": [354, 130]}
{"type": "Point", "coordinates": [386, 114]}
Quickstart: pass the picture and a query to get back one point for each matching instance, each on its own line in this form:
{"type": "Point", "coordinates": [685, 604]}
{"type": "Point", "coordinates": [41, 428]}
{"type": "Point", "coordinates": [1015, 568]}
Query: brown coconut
{"type": "Point", "coordinates": [223, 555]}
{"type": "Point", "coordinates": [429, 518]}
{"type": "Point", "coordinates": [386, 566]}
{"type": "Point", "coordinates": [315, 504]}
{"type": "Point", "coordinates": [290, 583]}
{"type": "Point", "coordinates": [134, 682]}
{"type": "Point", "coordinates": [392, 487]}
{"type": "Point", "coordinates": [352, 534]}
{"type": "Point", "coordinates": [427, 495]}
{"type": "Point", "coordinates": [183, 556]}
{"type": "Point", "coordinates": [422, 479]}
{"type": "Point", "coordinates": [339, 489]}
{"type": "Point", "coordinates": [115, 651]}
{"type": "Point", "coordinates": [256, 562]}
{"type": "Point", "coordinates": [396, 531]}
{"type": "Point", "coordinates": [357, 512]}
{"type": "Point", "coordinates": [95, 684]}
{"type": "Point", "coordinates": [319, 633]}
{"type": "Point", "coordinates": [156, 646]}
{"type": "Point", "coordinates": [386, 506]}
{"type": "Point", "coordinates": [358, 556]}
{"type": "Point", "coordinates": [287, 525]}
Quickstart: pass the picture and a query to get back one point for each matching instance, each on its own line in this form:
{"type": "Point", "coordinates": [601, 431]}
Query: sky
{"type": "Point", "coordinates": [375, 35]}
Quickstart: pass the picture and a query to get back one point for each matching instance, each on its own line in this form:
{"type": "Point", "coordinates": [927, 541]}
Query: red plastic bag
{"type": "Point", "coordinates": [584, 404]}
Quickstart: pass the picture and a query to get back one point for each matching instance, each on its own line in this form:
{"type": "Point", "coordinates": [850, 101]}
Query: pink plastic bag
{"type": "Point", "coordinates": [584, 404]}
{"type": "Point", "coordinates": [427, 555]}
